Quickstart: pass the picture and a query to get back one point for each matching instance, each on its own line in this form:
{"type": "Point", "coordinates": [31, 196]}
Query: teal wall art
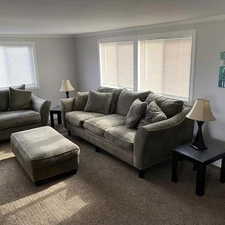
{"type": "Point", "coordinates": [221, 82]}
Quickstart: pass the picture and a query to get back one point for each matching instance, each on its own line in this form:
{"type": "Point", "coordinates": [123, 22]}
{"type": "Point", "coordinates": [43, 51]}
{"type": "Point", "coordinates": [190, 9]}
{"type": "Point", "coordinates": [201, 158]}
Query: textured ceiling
{"type": "Point", "coordinates": [81, 16]}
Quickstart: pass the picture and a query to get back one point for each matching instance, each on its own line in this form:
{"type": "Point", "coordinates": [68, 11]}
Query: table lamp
{"type": "Point", "coordinates": [66, 87]}
{"type": "Point", "coordinates": [200, 112]}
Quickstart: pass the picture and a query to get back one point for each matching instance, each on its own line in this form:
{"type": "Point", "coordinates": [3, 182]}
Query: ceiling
{"type": "Point", "coordinates": [84, 16]}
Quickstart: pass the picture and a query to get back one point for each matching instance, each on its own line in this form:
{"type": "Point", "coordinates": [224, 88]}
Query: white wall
{"type": "Point", "coordinates": [210, 41]}
{"type": "Point", "coordinates": [55, 61]}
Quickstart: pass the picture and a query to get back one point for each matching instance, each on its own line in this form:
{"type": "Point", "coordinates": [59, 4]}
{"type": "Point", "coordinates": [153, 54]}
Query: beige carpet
{"type": "Point", "coordinates": [107, 191]}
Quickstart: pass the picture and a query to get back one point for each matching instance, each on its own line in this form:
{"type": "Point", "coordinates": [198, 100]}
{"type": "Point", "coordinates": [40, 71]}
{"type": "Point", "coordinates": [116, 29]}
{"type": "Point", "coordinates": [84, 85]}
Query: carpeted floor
{"type": "Point", "coordinates": [107, 191]}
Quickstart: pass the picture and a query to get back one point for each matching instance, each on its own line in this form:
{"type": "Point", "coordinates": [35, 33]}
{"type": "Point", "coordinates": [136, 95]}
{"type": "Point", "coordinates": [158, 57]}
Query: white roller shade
{"type": "Point", "coordinates": [17, 66]}
{"type": "Point", "coordinates": [116, 63]}
{"type": "Point", "coordinates": [165, 66]}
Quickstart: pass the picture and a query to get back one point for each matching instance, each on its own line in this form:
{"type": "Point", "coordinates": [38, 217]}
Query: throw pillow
{"type": "Point", "coordinates": [80, 101]}
{"type": "Point", "coordinates": [98, 102]}
{"type": "Point", "coordinates": [115, 95]}
{"type": "Point", "coordinates": [19, 99]}
{"type": "Point", "coordinates": [168, 105]}
{"type": "Point", "coordinates": [4, 97]}
{"type": "Point", "coordinates": [126, 98]}
{"type": "Point", "coordinates": [153, 114]}
{"type": "Point", "coordinates": [135, 113]}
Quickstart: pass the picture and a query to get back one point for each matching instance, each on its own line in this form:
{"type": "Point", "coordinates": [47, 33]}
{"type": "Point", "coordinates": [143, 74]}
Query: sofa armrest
{"type": "Point", "coordinates": [42, 106]}
{"type": "Point", "coordinates": [66, 106]}
{"type": "Point", "coordinates": [154, 142]}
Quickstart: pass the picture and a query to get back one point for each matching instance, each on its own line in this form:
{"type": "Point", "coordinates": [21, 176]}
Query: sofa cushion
{"type": "Point", "coordinates": [153, 114]}
{"type": "Point", "coordinates": [101, 124]}
{"type": "Point", "coordinates": [168, 105]}
{"type": "Point", "coordinates": [18, 118]}
{"type": "Point", "coordinates": [77, 118]}
{"type": "Point", "coordinates": [19, 99]}
{"type": "Point", "coordinates": [126, 98]}
{"type": "Point", "coordinates": [4, 97]}
{"type": "Point", "coordinates": [121, 136]}
{"type": "Point", "coordinates": [135, 113]}
{"type": "Point", "coordinates": [98, 102]}
{"type": "Point", "coordinates": [80, 101]}
{"type": "Point", "coordinates": [115, 95]}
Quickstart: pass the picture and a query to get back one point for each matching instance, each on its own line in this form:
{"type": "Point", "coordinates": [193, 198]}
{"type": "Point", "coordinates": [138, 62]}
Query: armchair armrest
{"type": "Point", "coordinates": [154, 142]}
{"type": "Point", "coordinates": [66, 106]}
{"type": "Point", "coordinates": [42, 106]}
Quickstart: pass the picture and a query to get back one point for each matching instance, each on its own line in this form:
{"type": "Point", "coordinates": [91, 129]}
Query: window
{"type": "Point", "coordinates": [17, 65]}
{"type": "Point", "coordinates": [165, 66]}
{"type": "Point", "coordinates": [162, 65]}
{"type": "Point", "coordinates": [116, 64]}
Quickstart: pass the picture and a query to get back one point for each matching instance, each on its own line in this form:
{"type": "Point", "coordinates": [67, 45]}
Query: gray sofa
{"type": "Point", "coordinates": [17, 120]}
{"type": "Point", "coordinates": [143, 147]}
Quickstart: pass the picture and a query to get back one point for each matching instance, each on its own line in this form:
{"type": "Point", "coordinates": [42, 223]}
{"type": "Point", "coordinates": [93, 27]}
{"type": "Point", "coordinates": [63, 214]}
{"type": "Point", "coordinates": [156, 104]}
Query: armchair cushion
{"type": "Point", "coordinates": [121, 136]}
{"type": "Point", "coordinates": [80, 101]}
{"type": "Point", "coordinates": [12, 119]}
{"type": "Point", "coordinates": [135, 113]}
{"type": "Point", "coordinates": [98, 102]}
{"type": "Point", "coordinates": [4, 97]}
{"type": "Point", "coordinates": [153, 114]}
{"type": "Point", "coordinates": [169, 106]}
{"type": "Point", "coordinates": [126, 98]}
{"type": "Point", "coordinates": [19, 99]}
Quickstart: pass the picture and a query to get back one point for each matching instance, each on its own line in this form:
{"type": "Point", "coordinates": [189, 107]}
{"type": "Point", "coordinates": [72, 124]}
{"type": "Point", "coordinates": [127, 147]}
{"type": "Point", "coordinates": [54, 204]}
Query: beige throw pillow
{"type": "Point", "coordinates": [98, 102]}
{"type": "Point", "coordinates": [153, 114]}
{"type": "Point", "coordinates": [19, 99]}
{"type": "Point", "coordinates": [80, 101]}
{"type": "Point", "coordinates": [135, 113]}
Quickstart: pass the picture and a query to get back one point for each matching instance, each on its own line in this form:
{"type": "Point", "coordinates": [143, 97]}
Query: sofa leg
{"type": "Point", "coordinates": [97, 149]}
{"type": "Point", "coordinates": [141, 173]}
{"type": "Point", "coordinates": [74, 171]}
{"type": "Point", "coordinates": [69, 132]}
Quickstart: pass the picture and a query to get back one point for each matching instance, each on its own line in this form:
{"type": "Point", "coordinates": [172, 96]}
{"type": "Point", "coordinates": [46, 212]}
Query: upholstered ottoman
{"type": "Point", "coordinates": [44, 153]}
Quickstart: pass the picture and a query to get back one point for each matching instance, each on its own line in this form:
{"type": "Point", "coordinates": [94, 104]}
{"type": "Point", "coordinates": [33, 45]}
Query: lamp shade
{"type": "Point", "coordinates": [66, 86]}
{"type": "Point", "coordinates": [201, 111]}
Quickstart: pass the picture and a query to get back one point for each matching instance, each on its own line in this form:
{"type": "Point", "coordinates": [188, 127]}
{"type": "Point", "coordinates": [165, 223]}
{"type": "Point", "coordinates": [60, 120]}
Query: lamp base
{"type": "Point", "coordinates": [198, 143]}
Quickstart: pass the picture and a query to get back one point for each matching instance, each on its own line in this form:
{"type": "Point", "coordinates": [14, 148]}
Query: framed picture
{"type": "Point", "coordinates": [221, 82]}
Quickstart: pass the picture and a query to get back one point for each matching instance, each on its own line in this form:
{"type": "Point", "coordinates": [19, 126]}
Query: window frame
{"type": "Point", "coordinates": [154, 36]}
{"type": "Point", "coordinates": [32, 46]}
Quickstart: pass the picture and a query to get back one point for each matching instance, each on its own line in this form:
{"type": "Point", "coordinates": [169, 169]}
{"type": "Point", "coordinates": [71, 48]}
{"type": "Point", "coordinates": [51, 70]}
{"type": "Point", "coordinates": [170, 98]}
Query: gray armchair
{"type": "Point", "coordinates": [18, 120]}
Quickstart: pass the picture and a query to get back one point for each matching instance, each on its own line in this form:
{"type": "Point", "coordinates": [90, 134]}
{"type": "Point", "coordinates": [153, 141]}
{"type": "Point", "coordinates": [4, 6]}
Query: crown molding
{"type": "Point", "coordinates": [36, 35]}
{"type": "Point", "coordinates": [127, 29]}
{"type": "Point", "coordinates": [144, 27]}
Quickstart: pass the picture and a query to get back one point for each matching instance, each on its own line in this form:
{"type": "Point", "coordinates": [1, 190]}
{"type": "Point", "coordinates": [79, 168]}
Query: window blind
{"type": "Point", "coordinates": [165, 66]}
{"type": "Point", "coordinates": [17, 66]}
{"type": "Point", "coordinates": [116, 64]}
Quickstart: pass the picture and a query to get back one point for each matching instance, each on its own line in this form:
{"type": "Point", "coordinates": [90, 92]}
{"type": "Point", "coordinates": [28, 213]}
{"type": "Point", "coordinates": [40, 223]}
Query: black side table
{"type": "Point", "coordinates": [215, 151]}
{"type": "Point", "coordinates": [55, 110]}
